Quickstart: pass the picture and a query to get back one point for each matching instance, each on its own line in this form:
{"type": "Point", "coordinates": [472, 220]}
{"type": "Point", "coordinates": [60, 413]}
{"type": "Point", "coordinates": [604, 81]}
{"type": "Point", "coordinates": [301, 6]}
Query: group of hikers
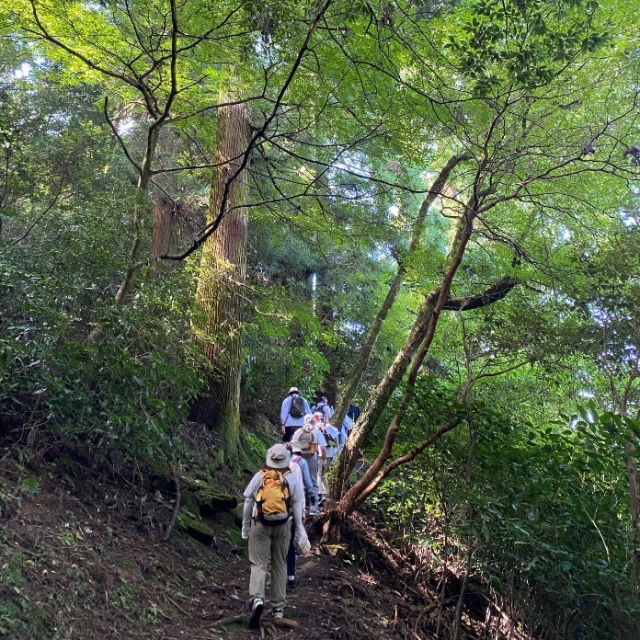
{"type": "Point", "coordinates": [280, 496]}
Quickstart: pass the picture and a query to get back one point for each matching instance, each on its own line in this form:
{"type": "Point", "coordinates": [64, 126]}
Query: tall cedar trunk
{"type": "Point", "coordinates": [222, 274]}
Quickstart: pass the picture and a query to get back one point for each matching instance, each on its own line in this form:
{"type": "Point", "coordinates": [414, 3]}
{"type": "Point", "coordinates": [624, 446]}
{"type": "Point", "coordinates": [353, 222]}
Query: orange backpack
{"type": "Point", "coordinates": [273, 500]}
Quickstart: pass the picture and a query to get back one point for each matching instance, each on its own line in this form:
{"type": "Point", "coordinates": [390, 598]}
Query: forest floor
{"type": "Point", "coordinates": [82, 557]}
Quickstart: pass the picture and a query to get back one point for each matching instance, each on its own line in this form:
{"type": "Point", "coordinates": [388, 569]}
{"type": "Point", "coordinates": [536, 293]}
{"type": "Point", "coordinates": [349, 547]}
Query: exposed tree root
{"type": "Point", "coordinates": [332, 523]}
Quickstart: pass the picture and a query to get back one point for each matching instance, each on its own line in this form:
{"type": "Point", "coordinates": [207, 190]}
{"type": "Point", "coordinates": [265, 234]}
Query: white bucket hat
{"type": "Point", "coordinates": [278, 457]}
{"type": "Point", "coordinates": [295, 447]}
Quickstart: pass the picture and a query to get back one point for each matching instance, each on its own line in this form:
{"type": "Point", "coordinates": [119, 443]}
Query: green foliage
{"type": "Point", "coordinates": [132, 390]}
{"type": "Point", "coordinates": [541, 503]}
{"type": "Point", "coordinates": [257, 447]}
{"type": "Point", "coordinates": [129, 392]}
{"type": "Point", "coordinates": [19, 621]}
{"type": "Point", "coordinates": [295, 334]}
{"type": "Point", "coordinates": [19, 618]}
{"type": "Point", "coordinates": [122, 595]}
{"type": "Point", "coordinates": [346, 146]}
{"type": "Point", "coordinates": [31, 485]}
{"type": "Point", "coordinates": [541, 39]}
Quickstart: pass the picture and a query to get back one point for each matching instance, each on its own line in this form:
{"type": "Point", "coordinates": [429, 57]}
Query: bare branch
{"type": "Point", "coordinates": [37, 220]}
{"type": "Point", "coordinates": [495, 292]}
{"type": "Point", "coordinates": [114, 130]}
{"type": "Point", "coordinates": [407, 457]}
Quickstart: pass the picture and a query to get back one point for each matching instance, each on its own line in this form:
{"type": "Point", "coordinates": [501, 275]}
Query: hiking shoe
{"type": "Point", "coordinates": [278, 613]}
{"type": "Point", "coordinates": [314, 511]}
{"type": "Point", "coordinates": [292, 583]}
{"type": "Point", "coordinates": [256, 611]}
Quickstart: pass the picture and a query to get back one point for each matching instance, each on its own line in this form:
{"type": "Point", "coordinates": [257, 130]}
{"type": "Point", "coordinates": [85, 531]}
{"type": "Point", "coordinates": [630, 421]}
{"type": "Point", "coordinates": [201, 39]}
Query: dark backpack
{"type": "Point", "coordinates": [331, 441]}
{"type": "Point", "coordinates": [306, 440]}
{"type": "Point", "coordinates": [296, 410]}
{"type": "Point", "coordinates": [324, 409]}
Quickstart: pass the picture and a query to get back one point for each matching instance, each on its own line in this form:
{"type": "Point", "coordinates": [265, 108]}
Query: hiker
{"type": "Point", "coordinates": [294, 409]}
{"type": "Point", "coordinates": [312, 445]}
{"type": "Point", "coordinates": [330, 434]}
{"type": "Point", "coordinates": [300, 469]}
{"type": "Point", "coordinates": [304, 476]}
{"type": "Point", "coordinates": [324, 408]}
{"type": "Point", "coordinates": [273, 498]}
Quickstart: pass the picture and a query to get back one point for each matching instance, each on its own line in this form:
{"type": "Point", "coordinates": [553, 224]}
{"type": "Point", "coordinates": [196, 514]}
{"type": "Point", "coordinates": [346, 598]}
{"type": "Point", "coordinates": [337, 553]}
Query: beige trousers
{"type": "Point", "coordinates": [269, 545]}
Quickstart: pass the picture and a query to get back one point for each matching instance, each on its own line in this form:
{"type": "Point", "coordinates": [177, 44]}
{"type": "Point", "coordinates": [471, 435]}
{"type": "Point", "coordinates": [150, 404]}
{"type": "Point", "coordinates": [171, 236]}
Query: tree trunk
{"type": "Point", "coordinates": [162, 234]}
{"type": "Point", "coordinates": [634, 509]}
{"type": "Point", "coordinates": [351, 386]}
{"type": "Point", "coordinates": [379, 397]}
{"type": "Point", "coordinates": [457, 621]}
{"type": "Point", "coordinates": [222, 275]}
{"type": "Point", "coordinates": [141, 205]}
{"type": "Point", "coordinates": [354, 497]}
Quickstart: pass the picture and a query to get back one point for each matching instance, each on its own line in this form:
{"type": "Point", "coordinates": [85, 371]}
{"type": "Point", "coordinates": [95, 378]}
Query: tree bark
{"type": "Point", "coordinates": [404, 459]}
{"type": "Point", "coordinates": [141, 205]}
{"type": "Point", "coordinates": [162, 233]}
{"type": "Point", "coordinates": [634, 508]}
{"type": "Point", "coordinates": [222, 275]}
{"type": "Point", "coordinates": [380, 396]}
{"type": "Point", "coordinates": [140, 210]}
{"type": "Point", "coordinates": [495, 292]}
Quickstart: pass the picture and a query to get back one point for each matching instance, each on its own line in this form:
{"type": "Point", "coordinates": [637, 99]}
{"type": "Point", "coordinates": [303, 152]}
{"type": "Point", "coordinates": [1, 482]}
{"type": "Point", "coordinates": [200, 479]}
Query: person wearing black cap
{"type": "Point", "coordinates": [294, 409]}
{"type": "Point", "coordinates": [273, 499]}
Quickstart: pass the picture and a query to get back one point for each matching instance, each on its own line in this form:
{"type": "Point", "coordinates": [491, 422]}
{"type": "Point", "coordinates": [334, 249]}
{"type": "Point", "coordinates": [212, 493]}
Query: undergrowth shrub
{"type": "Point", "coordinates": [543, 507]}
{"type": "Point", "coordinates": [128, 392]}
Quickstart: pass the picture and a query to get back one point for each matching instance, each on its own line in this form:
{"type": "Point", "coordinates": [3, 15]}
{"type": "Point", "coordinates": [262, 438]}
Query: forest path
{"type": "Point", "coordinates": [82, 558]}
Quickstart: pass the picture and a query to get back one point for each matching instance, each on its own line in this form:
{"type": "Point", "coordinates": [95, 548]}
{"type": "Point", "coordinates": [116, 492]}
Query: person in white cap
{"type": "Point", "coordinates": [312, 445]}
{"type": "Point", "coordinates": [294, 409]}
{"type": "Point", "coordinates": [273, 498]}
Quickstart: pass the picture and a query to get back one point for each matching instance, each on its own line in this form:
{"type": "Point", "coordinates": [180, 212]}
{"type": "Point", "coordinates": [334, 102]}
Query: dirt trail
{"type": "Point", "coordinates": [81, 558]}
